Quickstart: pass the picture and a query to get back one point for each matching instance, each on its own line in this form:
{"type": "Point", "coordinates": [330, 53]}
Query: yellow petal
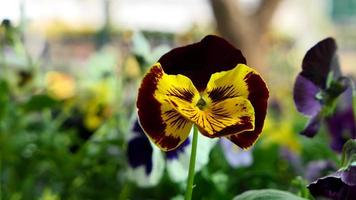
{"type": "Point", "coordinates": [161, 122]}
{"type": "Point", "coordinates": [217, 119]}
{"type": "Point", "coordinates": [228, 84]}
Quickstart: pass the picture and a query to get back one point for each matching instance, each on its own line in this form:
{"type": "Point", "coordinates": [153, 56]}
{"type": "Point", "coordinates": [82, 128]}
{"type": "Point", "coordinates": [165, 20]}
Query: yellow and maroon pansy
{"type": "Point", "coordinates": [206, 84]}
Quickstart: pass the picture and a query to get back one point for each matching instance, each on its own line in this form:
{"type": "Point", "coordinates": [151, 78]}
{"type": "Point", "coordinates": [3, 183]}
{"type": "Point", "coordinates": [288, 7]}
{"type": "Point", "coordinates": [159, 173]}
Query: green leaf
{"type": "Point", "coordinates": [267, 194]}
{"type": "Point", "coordinates": [348, 154]}
{"type": "Point", "coordinates": [39, 102]}
{"type": "Point", "coordinates": [4, 97]}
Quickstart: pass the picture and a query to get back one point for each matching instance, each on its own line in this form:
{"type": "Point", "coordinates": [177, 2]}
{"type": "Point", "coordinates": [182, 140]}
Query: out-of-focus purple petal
{"type": "Point", "coordinates": [139, 149]}
{"type": "Point", "coordinates": [181, 149]}
{"type": "Point", "coordinates": [139, 153]}
{"type": "Point", "coordinates": [275, 108]}
{"type": "Point", "coordinates": [342, 127]}
{"type": "Point", "coordinates": [137, 129]}
{"type": "Point", "coordinates": [348, 176]}
{"type": "Point", "coordinates": [312, 127]}
{"type": "Point", "coordinates": [234, 155]}
{"type": "Point", "coordinates": [305, 96]}
{"type": "Point", "coordinates": [319, 168]}
{"type": "Point", "coordinates": [319, 61]}
{"type": "Point", "coordinates": [292, 158]}
{"type": "Point", "coordinates": [146, 161]}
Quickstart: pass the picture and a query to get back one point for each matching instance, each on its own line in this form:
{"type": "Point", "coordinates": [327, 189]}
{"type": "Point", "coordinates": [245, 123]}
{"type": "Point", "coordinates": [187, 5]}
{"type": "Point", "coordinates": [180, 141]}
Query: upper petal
{"type": "Point", "coordinates": [160, 121]}
{"type": "Point", "coordinates": [200, 60]}
{"type": "Point", "coordinates": [319, 61]}
{"type": "Point", "coordinates": [243, 82]}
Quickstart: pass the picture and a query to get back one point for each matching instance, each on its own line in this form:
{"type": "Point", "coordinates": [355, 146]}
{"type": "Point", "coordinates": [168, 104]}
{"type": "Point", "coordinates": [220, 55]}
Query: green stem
{"type": "Point", "coordinates": [189, 191]}
{"type": "Point", "coordinates": [353, 96]}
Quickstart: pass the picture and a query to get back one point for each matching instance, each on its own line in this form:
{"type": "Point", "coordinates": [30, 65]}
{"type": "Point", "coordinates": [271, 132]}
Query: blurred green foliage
{"type": "Point", "coordinates": [75, 147]}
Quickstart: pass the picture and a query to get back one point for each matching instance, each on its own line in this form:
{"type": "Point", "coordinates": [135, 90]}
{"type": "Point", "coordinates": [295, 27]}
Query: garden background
{"type": "Point", "coordinates": [69, 75]}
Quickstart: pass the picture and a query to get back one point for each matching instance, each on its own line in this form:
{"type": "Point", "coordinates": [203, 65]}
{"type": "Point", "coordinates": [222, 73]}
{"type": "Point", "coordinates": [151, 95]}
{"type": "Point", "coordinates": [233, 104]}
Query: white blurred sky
{"type": "Point", "coordinates": [164, 15]}
{"type": "Point", "coordinates": [168, 15]}
{"type": "Point", "coordinates": [302, 18]}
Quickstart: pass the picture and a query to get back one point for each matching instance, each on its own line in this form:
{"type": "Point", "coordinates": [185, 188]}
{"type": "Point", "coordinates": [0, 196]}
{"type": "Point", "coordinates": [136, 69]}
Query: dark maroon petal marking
{"type": "Point", "coordinates": [258, 96]}
{"type": "Point", "coordinates": [304, 95]}
{"type": "Point", "coordinates": [222, 93]}
{"type": "Point", "coordinates": [181, 93]}
{"type": "Point", "coordinates": [175, 119]}
{"type": "Point", "coordinates": [236, 128]}
{"type": "Point", "coordinates": [149, 109]}
{"type": "Point", "coordinates": [200, 60]}
{"type": "Point", "coordinates": [168, 142]}
{"type": "Point", "coordinates": [319, 61]}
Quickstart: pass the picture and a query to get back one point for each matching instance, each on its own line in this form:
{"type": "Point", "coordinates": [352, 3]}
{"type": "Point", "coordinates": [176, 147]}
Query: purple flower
{"type": "Point", "coordinates": [340, 185]}
{"type": "Point", "coordinates": [341, 124]}
{"type": "Point", "coordinates": [147, 162]}
{"type": "Point", "coordinates": [319, 168]}
{"type": "Point", "coordinates": [234, 155]}
{"type": "Point", "coordinates": [319, 84]}
{"type": "Point", "coordinates": [139, 150]}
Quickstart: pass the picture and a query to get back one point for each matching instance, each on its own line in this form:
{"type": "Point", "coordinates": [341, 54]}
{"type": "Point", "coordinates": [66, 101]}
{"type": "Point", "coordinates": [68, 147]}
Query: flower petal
{"type": "Point", "coordinates": [331, 187]}
{"type": "Point", "coordinates": [141, 176]}
{"type": "Point", "coordinates": [220, 118]}
{"type": "Point", "coordinates": [340, 185]}
{"type": "Point", "coordinates": [255, 90]}
{"type": "Point", "coordinates": [304, 95]}
{"type": "Point", "coordinates": [235, 156]}
{"type": "Point", "coordinates": [160, 121]}
{"type": "Point", "coordinates": [312, 127]}
{"type": "Point", "coordinates": [178, 166]}
{"type": "Point", "coordinates": [319, 61]}
{"type": "Point", "coordinates": [200, 60]}
{"type": "Point", "coordinates": [348, 176]}
{"type": "Point", "coordinates": [341, 126]}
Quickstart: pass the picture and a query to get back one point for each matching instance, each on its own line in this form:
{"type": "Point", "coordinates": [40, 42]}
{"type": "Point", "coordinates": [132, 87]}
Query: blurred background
{"type": "Point", "coordinates": [70, 70]}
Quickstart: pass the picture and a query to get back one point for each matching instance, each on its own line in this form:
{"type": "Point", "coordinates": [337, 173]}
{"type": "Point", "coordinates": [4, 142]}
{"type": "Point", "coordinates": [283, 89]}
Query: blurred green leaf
{"type": "Point", "coordinates": [267, 194]}
{"type": "Point", "coordinates": [39, 102]}
{"type": "Point", "coordinates": [4, 97]}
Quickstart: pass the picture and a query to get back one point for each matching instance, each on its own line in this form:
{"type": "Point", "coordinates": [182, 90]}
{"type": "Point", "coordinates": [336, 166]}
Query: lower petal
{"type": "Point", "coordinates": [304, 95]}
{"type": "Point", "coordinates": [312, 126]}
{"type": "Point", "coordinates": [233, 115]}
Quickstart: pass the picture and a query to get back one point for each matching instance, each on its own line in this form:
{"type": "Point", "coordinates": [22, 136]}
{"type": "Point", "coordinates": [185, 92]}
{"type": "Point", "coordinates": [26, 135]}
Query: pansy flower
{"type": "Point", "coordinates": [147, 162]}
{"type": "Point", "coordinates": [341, 124]}
{"type": "Point", "coordinates": [340, 185]}
{"type": "Point", "coordinates": [208, 85]}
{"type": "Point", "coordinates": [319, 84]}
{"type": "Point", "coordinates": [236, 157]}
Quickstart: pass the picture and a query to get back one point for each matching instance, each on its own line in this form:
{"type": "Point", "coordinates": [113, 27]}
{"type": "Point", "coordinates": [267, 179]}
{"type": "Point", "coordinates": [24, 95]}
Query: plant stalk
{"type": "Point", "coordinates": [189, 190]}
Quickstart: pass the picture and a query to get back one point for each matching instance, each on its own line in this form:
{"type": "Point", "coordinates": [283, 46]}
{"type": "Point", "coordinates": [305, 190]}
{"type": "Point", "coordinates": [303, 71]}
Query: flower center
{"type": "Point", "coordinates": [201, 103]}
